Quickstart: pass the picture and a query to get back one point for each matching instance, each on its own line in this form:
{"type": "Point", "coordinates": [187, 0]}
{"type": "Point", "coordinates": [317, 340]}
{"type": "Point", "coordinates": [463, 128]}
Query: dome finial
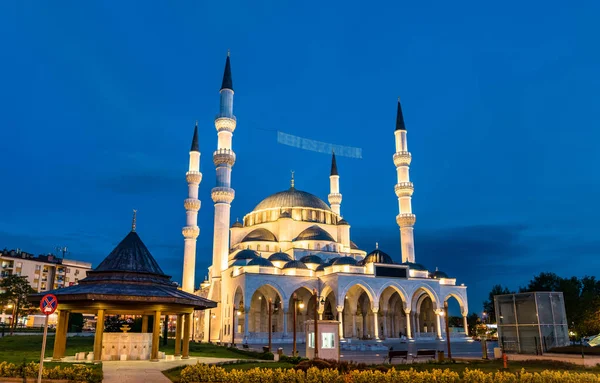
{"type": "Point", "coordinates": [376, 245]}
{"type": "Point", "coordinates": [133, 221]}
{"type": "Point", "coordinates": [292, 182]}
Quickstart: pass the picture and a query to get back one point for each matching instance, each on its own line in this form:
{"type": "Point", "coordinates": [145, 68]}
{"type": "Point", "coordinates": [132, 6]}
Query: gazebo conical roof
{"type": "Point", "coordinates": [128, 274]}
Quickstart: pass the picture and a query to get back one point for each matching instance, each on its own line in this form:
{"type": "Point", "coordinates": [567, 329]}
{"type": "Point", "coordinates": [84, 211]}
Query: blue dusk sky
{"type": "Point", "coordinates": [500, 100]}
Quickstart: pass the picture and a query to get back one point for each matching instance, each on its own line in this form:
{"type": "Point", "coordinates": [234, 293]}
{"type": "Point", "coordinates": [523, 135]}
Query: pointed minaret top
{"type": "Point", "coordinates": [334, 171]}
{"type": "Point", "coordinates": [227, 81]}
{"type": "Point", "coordinates": [133, 221]}
{"type": "Point", "coordinates": [195, 146]}
{"type": "Point", "coordinates": [292, 182]}
{"type": "Point", "coordinates": [400, 118]}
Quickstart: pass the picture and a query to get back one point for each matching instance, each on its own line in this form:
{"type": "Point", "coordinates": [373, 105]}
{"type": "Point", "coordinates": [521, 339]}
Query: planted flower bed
{"type": "Point", "coordinates": [29, 372]}
{"type": "Point", "coordinates": [201, 373]}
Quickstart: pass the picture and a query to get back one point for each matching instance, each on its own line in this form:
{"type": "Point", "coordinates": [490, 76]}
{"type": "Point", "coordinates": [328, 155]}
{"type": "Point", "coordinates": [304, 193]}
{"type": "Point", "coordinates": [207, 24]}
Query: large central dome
{"type": "Point", "coordinates": [292, 198]}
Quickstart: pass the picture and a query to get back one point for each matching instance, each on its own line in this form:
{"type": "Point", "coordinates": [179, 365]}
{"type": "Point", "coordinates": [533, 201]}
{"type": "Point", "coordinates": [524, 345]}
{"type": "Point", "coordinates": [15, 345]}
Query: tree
{"type": "Point", "coordinates": [75, 322]}
{"type": "Point", "coordinates": [472, 321]}
{"type": "Point", "coordinates": [15, 291]}
{"type": "Point", "coordinates": [489, 307]}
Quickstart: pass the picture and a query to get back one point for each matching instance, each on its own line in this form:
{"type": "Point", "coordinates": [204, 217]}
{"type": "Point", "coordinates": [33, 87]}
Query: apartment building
{"type": "Point", "coordinates": [44, 272]}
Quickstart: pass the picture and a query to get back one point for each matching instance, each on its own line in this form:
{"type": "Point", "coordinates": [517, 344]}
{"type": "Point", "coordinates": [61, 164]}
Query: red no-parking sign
{"type": "Point", "coordinates": [49, 304]}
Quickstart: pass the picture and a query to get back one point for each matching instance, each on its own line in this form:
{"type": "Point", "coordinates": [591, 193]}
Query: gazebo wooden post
{"type": "Point", "coordinates": [144, 323]}
{"type": "Point", "coordinates": [155, 336]}
{"type": "Point", "coordinates": [178, 335]}
{"type": "Point", "coordinates": [60, 337]}
{"type": "Point", "coordinates": [186, 336]}
{"type": "Point", "coordinates": [99, 334]}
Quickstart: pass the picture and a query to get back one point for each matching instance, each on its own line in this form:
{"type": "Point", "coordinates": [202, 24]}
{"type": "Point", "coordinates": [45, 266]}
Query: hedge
{"type": "Point", "coordinates": [203, 373]}
{"type": "Point", "coordinates": [76, 372]}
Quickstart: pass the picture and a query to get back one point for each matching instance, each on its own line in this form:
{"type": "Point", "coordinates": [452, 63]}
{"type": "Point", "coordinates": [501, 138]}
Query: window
{"type": "Point", "coordinates": [328, 340]}
{"type": "Point", "coordinates": [311, 339]}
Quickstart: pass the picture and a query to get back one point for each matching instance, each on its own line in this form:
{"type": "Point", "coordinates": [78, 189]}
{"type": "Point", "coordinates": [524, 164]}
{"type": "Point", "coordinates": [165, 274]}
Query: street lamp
{"type": "Point", "coordinates": [317, 297]}
{"type": "Point", "coordinates": [297, 303]}
{"type": "Point", "coordinates": [445, 314]}
{"type": "Point", "coordinates": [270, 315]}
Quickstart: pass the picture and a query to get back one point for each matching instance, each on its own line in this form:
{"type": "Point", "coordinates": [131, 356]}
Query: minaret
{"type": "Point", "coordinates": [335, 198]}
{"type": "Point", "coordinates": [192, 205]}
{"type": "Point", "coordinates": [404, 190]}
{"type": "Point", "coordinates": [223, 158]}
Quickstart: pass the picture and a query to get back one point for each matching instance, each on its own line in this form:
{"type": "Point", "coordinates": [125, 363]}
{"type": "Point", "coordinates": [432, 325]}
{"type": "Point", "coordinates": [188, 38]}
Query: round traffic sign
{"type": "Point", "coordinates": [48, 304]}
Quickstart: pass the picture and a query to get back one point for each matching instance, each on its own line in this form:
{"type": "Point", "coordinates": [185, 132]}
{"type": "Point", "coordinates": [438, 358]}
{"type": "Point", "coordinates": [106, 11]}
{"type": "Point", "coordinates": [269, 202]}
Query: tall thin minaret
{"type": "Point", "coordinates": [192, 205]}
{"type": "Point", "coordinates": [223, 158]}
{"type": "Point", "coordinates": [335, 198]}
{"type": "Point", "coordinates": [404, 190]}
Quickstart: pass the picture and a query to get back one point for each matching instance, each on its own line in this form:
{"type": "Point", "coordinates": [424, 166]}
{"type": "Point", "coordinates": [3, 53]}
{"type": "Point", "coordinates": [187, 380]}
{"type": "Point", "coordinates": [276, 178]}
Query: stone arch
{"type": "Point", "coordinates": [370, 293]}
{"type": "Point", "coordinates": [415, 295]}
{"type": "Point", "coordinates": [397, 288]}
{"type": "Point", "coordinates": [462, 302]}
{"type": "Point", "coordinates": [273, 285]}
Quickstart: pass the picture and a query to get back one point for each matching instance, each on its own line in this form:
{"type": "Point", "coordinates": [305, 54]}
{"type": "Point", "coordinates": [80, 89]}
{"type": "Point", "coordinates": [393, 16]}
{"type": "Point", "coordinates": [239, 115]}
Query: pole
{"type": "Point", "coordinates": [295, 297]}
{"type": "Point", "coordinates": [316, 325]}
{"type": "Point", "coordinates": [39, 379]}
{"type": "Point", "coordinates": [270, 314]}
{"type": "Point", "coordinates": [233, 327]}
{"type": "Point", "coordinates": [209, 320]}
{"type": "Point", "coordinates": [447, 329]}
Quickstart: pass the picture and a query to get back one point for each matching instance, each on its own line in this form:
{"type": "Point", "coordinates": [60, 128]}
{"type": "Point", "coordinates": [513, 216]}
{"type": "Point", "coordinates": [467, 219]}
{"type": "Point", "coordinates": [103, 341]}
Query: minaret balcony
{"type": "Point", "coordinates": [404, 189]}
{"type": "Point", "coordinates": [224, 156]}
{"type": "Point", "coordinates": [191, 204]}
{"type": "Point", "coordinates": [402, 159]}
{"type": "Point", "coordinates": [335, 198]}
{"type": "Point", "coordinates": [225, 123]}
{"type": "Point", "coordinates": [406, 219]}
{"type": "Point", "coordinates": [222, 195]}
{"type": "Point", "coordinates": [193, 177]}
{"type": "Point", "coordinates": [190, 232]}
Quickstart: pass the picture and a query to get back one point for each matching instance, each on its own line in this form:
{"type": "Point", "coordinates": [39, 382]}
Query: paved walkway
{"type": "Point", "coordinates": [142, 371]}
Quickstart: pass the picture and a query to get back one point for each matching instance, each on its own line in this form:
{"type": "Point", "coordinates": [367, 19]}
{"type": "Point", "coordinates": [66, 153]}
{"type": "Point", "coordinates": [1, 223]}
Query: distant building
{"type": "Point", "coordinates": [44, 272]}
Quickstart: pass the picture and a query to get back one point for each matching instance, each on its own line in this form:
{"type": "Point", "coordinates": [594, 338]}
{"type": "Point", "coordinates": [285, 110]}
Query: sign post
{"type": "Point", "coordinates": [48, 305]}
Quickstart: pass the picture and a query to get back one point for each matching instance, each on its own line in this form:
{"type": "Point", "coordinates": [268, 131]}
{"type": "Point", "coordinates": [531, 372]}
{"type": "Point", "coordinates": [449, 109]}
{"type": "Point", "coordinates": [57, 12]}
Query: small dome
{"type": "Point", "coordinates": [246, 254]}
{"type": "Point", "coordinates": [295, 265]}
{"type": "Point", "coordinates": [260, 261]}
{"type": "Point", "coordinates": [280, 257]}
{"type": "Point", "coordinates": [439, 274]}
{"type": "Point", "coordinates": [237, 224]}
{"type": "Point", "coordinates": [314, 233]}
{"type": "Point", "coordinates": [260, 235]}
{"type": "Point", "coordinates": [414, 266]}
{"type": "Point", "coordinates": [239, 262]}
{"type": "Point", "coordinates": [377, 256]}
{"type": "Point", "coordinates": [353, 246]}
{"type": "Point", "coordinates": [343, 222]}
{"type": "Point", "coordinates": [345, 261]}
{"type": "Point", "coordinates": [311, 259]}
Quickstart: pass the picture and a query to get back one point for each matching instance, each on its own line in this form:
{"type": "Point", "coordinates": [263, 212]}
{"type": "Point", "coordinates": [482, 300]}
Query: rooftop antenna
{"type": "Point", "coordinates": [63, 250]}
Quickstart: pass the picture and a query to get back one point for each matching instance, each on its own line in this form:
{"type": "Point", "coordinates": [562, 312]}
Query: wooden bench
{"type": "Point", "coordinates": [396, 354]}
{"type": "Point", "coordinates": [424, 354]}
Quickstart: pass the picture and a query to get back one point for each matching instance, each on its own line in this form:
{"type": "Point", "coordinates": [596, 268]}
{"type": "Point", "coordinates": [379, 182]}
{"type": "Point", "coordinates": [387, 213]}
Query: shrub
{"type": "Point", "coordinates": [76, 372]}
{"type": "Point", "coordinates": [319, 372]}
{"type": "Point", "coordinates": [292, 359]}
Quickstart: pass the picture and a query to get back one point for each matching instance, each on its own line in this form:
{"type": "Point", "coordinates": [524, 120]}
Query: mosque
{"type": "Point", "coordinates": [294, 246]}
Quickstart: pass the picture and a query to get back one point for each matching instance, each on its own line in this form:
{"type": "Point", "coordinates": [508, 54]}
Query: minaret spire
{"type": "Point", "coordinates": [222, 195]}
{"type": "Point", "coordinates": [335, 198]}
{"type": "Point", "coordinates": [404, 190]}
{"type": "Point", "coordinates": [400, 117]}
{"type": "Point", "coordinates": [192, 204]}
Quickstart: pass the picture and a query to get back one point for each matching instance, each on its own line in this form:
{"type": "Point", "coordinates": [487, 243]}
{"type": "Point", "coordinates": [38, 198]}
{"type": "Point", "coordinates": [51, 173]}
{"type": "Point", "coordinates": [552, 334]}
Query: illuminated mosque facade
{"type": "Point", "coordinates": [294, 247]}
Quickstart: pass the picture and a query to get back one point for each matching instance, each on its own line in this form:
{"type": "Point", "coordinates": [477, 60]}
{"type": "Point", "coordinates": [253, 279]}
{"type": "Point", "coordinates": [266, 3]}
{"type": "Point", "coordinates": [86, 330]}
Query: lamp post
{"type": "Point", "coordinates": [297, 302]}
{"type": "Point", "coordinates": [317, 297]}
{"type": "Point", "coordinates": [447, 328]}
{"type": "Point", "coordinates": [270, 315]}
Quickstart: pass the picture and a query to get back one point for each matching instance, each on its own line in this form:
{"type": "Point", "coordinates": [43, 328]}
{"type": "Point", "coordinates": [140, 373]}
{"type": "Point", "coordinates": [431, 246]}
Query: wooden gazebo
{"type": "Point", "coordinates": [128, 282]}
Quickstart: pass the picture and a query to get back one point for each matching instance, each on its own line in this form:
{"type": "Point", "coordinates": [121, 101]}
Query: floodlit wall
{"type": "Point", "coordinates": [531, 323]}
